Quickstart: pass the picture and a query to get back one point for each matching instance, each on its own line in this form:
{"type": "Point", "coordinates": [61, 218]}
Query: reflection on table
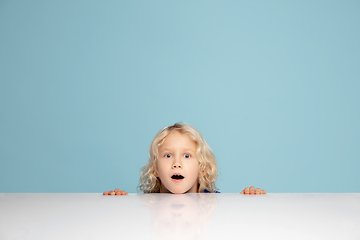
{"type": "Point", "coordinates": [180, 216]}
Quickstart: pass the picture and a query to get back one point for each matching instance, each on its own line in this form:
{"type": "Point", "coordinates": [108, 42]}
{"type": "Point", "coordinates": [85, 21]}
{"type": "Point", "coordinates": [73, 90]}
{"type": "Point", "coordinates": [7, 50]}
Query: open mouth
{"type": "Point", "coordinates": [177, 177]}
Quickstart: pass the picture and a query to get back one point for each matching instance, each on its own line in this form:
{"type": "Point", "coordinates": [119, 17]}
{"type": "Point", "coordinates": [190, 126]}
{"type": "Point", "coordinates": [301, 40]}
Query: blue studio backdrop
{"type": "Point", "coordinates": [274, 87]}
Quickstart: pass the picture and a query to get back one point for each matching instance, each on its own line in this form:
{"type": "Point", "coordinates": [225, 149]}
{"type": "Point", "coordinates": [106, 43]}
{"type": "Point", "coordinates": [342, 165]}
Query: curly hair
{"type": "Point", "coordinates": [149, 183]}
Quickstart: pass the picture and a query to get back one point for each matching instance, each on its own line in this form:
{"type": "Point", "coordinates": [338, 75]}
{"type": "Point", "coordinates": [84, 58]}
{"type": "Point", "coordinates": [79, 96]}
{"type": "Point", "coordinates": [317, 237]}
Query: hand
{"type": "Point", "coordinates": [115, 192]}
{"type": "Point", "coordinates": [252, 190]}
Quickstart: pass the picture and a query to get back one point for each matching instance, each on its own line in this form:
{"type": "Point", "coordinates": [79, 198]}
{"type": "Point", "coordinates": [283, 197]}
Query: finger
{"type": "Point", "coordinates": [247, 190]}
{"type": "Point", "coordinates": [118, 193]}
{"type": "Point", "coordinates": [112, 193]}
{"type": "Point", "coordinates": [106, 193]}
{"type": "Point", "coordinates": [116, 190]}
{"type": "Point", "coordinates": [242, 192]}
{"type": "Point", "coordinates": [252, 188]}
{"type": "Point", "coordinates": [258, 191]}
{"type": "Point", "coordinates": [263, 191]}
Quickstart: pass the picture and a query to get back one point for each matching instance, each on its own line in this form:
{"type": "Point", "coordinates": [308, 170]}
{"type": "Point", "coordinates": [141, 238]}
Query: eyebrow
{"type": "Point", "coordinates": [185, 149]}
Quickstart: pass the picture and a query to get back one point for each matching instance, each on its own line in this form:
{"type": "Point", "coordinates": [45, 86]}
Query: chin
{"type": "Point", "coordinates": [177, 192]}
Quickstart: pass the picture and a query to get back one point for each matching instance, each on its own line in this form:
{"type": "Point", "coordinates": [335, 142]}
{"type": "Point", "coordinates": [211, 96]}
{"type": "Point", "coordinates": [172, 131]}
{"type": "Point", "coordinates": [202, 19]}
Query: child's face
{"type": "Point", "coordinates": [177, 156]}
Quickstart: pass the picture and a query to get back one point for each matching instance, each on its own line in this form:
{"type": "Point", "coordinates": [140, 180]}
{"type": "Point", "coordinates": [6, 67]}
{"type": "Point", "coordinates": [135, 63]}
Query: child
{"type": "Point", "coordinates": [180, 162]}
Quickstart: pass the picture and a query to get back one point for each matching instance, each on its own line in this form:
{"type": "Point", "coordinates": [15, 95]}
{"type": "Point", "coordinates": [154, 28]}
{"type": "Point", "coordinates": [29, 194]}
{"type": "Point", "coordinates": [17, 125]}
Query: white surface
{"type": "Point", "coordinates": [185, 216]}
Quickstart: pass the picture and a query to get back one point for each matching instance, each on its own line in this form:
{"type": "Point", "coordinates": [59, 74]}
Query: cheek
{"type": "Point", "coordinates": [161, 166]}
{"type": "Point", "coordinates": [194, 166]}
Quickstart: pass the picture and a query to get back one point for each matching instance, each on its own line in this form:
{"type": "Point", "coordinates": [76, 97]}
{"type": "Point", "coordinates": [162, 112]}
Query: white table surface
{"type": "Point", "coordinates": [185, 216]}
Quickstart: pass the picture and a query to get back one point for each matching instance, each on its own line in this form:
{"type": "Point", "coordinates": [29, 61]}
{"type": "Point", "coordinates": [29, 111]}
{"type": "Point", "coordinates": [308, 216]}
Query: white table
{"type": "Point", "coordinates": [186, 216]}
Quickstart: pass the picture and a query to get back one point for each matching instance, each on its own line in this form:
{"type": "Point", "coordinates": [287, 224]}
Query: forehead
{"type": "Point", "coordinates": [178, 140]}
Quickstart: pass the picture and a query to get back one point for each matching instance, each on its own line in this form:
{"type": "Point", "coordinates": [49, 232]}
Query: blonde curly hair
{"type": "Point", "coordinates": [149, 183]}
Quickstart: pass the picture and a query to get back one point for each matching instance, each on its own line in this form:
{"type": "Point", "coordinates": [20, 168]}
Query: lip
{"type": "Point", "coordinates": [177, 180]}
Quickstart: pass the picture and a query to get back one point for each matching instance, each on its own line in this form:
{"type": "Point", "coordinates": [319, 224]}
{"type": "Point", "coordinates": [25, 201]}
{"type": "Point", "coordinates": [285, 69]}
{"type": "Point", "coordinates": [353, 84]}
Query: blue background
{"type": "Point", "coordinates": [272, 85]}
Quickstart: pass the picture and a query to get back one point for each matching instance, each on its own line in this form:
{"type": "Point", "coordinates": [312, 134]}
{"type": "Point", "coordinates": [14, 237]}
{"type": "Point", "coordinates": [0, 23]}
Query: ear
{"type": "Point", "coordinates": [202, 173]}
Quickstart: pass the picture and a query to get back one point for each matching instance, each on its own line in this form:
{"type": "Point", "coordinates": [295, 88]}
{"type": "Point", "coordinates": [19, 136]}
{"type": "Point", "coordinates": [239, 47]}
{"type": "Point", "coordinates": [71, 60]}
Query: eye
{"type": "Point", "coordinates": [168, 155]}
{"type": "Point", "coordinates": [186, 155]}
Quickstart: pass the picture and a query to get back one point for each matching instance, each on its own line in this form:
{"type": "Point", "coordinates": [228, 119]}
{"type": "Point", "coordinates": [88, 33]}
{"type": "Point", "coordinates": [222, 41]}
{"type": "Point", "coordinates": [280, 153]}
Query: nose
{"type": "Point", "coordinates": [177, 164]}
